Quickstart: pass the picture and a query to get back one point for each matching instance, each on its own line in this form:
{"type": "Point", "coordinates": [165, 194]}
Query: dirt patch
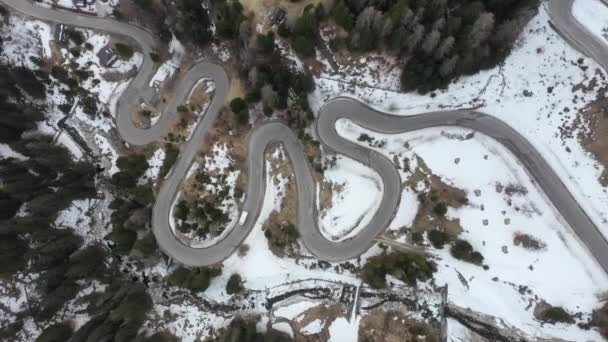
{"type": "Point", "coordinates": [326, 313]}
{"type": "Point", "coordinates": [393, 326]}
{"type": "Point", "coordinates": [280, 228]}
{"type": "Point", "coordinates": [591, 127]}
{"type": "Point", "coordinates": [435, 196]}
{"type": "Point", "coordinates": [528, 242]}
{"type": "Point", "coordinates": [56, 55]}
{"type": "Point", "coordinates": [236, 90]}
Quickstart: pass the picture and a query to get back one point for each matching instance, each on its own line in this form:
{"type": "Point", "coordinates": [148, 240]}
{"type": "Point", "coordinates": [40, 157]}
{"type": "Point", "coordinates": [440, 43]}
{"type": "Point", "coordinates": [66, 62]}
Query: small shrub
{"type": "Point", "coordinates": [89, 105]}
{"type": "Point", "coordinates": [417, 238]}
{"type": "Point", "coordinates": [363, 137]}
{"type": "Point", "coordinates": [234, 284]}
{"type": "Point", "coordinates": [556, 314]}
{"type": "Point", "coordinates": [238, 105]}
{"type": "Point", "coordinates": [197, 279]}
{"type": "Point", "coordinates": [146, 245]}
{"type": "Point", "coordinates": [438, 238]}
{"type": "Point", "coordinates": [155, 57]}
{"type": "Point", "coordinates": [462, 250]}
{"type": "Point", "coordinates": [124, 51]}
{"type": "Point", "coordinates": [440, 209]}
{"type": "Point", "coordinates": [599, 319]}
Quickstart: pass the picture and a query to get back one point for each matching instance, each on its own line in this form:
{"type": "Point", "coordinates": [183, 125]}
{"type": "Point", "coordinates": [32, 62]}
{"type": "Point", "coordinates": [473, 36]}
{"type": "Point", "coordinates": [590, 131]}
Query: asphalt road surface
{"type": "Point", "coordinates": [276, 132]}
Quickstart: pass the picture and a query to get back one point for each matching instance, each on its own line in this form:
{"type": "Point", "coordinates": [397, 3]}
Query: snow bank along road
{"type": "Point", "coordinates": [275, 132]}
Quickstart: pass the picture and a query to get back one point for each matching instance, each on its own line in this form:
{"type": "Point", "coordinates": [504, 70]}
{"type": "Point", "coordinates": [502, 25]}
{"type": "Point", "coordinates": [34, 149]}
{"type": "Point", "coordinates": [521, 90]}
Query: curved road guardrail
{"type": "Point", "coordinates": [276, 132]}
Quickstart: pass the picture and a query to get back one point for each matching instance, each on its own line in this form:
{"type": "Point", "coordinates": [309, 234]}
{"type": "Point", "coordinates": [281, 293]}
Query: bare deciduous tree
{"type": "Point", "coordinates": [482, 28]}
{"type": "Point", "coordinates": [415, 37]}
{"type": "Point", "coordinates": [448, 66]}
{"type": "Point", "coordinates": [445, 47]}
{"type": "Point", "coordinates": [431, 41]}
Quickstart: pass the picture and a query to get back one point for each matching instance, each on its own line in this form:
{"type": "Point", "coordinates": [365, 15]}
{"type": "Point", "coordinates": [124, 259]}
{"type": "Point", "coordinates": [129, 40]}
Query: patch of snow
{"type": "Point", "coordinates": [64, 139]}
{"type": "Point", "coordinates": [283, 327]}
{"type": "Point", "coordinates": [313, 327]}
{"type": "Point", "coordinates": [356, 201]}
{"type": "Point", "coordinates": [107, 151]}
{"type": "Point", "coordinates": [406, 213]}
{"type": "Point", "coordinates": [25, 41]}
{"type": "Point", "coordinates": [341, 330]}
{"type": "Point", "coordinates": [170, 67]}
{"type": "Point", "coordinates": [292, 311]}
{"type": "Point", "coordinates": [593, 14]}
{"type": "Point", "coordinates": [498, 291]}
{"type": "Point", "coordinates": [155, 162]}
{"type": "Point", "coordinates": [7, 152]}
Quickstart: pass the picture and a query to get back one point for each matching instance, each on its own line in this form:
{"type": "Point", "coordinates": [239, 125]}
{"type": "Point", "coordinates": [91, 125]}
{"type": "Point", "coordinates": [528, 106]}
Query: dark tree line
{"type": "Point", "coordinates": [439, 40]}
{"type": "Point", "coordinates": [132, 207]}
{"type": "Point", "coordinates": [34, 189]}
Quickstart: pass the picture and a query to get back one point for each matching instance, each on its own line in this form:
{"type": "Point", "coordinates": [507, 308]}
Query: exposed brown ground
{"type": "Point", "coordinates": [436, 191]}
{"type": "Point", "coordinates": [327, 313]}
{"type": "Point", "coordinates": [287, 214]}
{"type": "Point", "coordinates": [594, 139]}
{"type": "Point", "coordinates": [393, 326]}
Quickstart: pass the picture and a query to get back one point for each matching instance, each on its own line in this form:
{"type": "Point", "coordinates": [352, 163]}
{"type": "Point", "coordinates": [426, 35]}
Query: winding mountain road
{"type": "Point", "coordinates": [275, 132]}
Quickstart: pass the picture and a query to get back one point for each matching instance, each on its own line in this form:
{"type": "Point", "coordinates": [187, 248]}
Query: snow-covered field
{"type": "Point", "coordinates": [480, 165]}
{"type": "Point", "coordinates": [541, 63]}
{"type": "Point", "coordinates": [594, 15]}
{"type": "Point", "coordinates": [100, 8]}
{"type": "Point", "coordinates": [356, 197]}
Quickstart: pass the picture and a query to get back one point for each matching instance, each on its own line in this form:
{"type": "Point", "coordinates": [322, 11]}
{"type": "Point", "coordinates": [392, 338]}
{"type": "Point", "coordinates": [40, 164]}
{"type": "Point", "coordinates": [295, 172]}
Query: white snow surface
{"type": "Point", "coordinates": [594, 15]}
{"type": "Point", "coordinates": [341, 330]}
{"type": "Point", "coordinates": [353, 207]}
{"type": "Point", "coordinates": [540, 61]}
{"type": "Point", "coordinates": [292, 311]}
{"type": "Point", "coordinates": [406, 213]}
{"type": "Point", "coordinates": [7, 152]}
{"type": "Point", "coordinates": [155, 162]}
{"type": "Point", "coordinates": [564, 260]}
{"type": "Point", "coordinates": [283, 327]}
{"type": "Point", "coordinates": [25, 41]}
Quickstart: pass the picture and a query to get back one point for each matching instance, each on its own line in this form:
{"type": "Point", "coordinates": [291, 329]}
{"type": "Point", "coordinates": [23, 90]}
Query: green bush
{"type": "Point", "coordinates": [556, 314]}
{"type": "Point", "coordinates": [462, 250]}
{"type": "Point", "coordinates": [342, 15]}
{"type": "Point", "coordinates": [438, 238]}
{"type": "Point", "coordinates": [124, 51]}
{"type": "Point", "coordinates": [155, 57]}
{"type": "Point", "coordinates": [234, 284]}
{"type": "Point", "coordinates": [265, 42]}
{"type": "Point", "coordinates": [59, 332]}
{"type": "Point", "coordinates": [197, 279]}
{"type": "Point", "coordinates": [195, 22]}
{"type": "Point", "coordinates": [407, 267]}
{"type": "Point", "coordinates": [171, 154]}
{"type": "Point", "coordinates": [417, 238]}
{"type": "Point", "coordinates": [146, 245]}
{"type": "Point", "coordinates": [131, 167]}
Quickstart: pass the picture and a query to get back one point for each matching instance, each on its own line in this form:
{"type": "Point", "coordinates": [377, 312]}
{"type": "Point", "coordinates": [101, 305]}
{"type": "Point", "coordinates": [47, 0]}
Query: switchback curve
{"type": "Point", "coordinates": [275, 132]}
